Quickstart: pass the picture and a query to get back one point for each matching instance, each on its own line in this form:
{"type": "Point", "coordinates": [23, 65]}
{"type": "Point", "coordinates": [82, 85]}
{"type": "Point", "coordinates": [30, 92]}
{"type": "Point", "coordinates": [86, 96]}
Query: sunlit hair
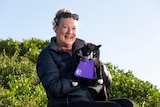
{"type": "Point", "coordinates": [60, 13]}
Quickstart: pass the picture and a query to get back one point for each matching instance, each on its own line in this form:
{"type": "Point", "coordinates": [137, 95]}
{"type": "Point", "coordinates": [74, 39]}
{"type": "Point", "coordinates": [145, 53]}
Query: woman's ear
{"type": "Point", "coordinates": [55, 28]}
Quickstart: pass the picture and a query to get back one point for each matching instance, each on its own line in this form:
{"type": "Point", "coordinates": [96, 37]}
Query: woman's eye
{"type": "Point", "coordinates": [73, 28]}
{"type": "Point", "coordinates": [65, 26]}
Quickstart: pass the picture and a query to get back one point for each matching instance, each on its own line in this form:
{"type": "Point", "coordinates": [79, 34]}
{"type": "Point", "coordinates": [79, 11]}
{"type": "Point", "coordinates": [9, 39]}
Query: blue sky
{"type": "Point", "coordinates": [128, 30]}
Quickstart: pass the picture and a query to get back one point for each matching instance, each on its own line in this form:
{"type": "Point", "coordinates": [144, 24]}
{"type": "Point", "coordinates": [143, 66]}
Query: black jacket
{"type": "Point", "coordinates": [54, 71]}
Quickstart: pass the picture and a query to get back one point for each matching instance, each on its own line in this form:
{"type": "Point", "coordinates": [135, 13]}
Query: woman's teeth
{"type": "Point", "coordinates": [68, 37]}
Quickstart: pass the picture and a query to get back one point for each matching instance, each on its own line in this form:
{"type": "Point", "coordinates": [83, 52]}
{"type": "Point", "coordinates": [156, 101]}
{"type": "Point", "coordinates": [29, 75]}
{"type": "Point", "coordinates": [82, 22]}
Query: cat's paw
{"type": "Point", "coordinates": [74, 83]}
{"type": "Point", "coordinates": [100, 81]}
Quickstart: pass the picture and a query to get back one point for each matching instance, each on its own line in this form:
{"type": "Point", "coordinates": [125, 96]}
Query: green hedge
{"type": "Point", "coordinates": [20, 85]}
{"type": "Point", "coordinates": [125, 84]}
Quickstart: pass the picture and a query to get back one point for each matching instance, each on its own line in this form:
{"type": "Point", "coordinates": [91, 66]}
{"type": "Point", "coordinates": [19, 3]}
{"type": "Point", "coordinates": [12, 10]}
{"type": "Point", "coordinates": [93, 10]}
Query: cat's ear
{"type": "Point", "coordinates": [98, 46]}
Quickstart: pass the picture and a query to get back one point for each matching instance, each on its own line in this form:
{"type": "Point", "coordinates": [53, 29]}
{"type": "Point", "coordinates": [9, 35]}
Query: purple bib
{"type": "Point", "coordinates": [85, 69]}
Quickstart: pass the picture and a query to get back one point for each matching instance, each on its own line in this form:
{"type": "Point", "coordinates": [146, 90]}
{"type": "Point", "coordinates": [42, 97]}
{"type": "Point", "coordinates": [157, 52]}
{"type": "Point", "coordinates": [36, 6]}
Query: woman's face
{"type": "Point", "coordinates": [66, 32]}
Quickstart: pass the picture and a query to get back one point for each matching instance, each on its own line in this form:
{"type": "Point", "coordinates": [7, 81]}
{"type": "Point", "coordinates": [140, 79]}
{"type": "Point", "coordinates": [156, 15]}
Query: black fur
{"type": "Point", "coordinates": [88, 52]}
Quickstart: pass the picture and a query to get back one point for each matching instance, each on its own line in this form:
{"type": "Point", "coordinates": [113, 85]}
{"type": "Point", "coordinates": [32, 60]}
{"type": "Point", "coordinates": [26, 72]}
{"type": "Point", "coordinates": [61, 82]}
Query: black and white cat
{"type": "Point", "coordinates": [96, 86]}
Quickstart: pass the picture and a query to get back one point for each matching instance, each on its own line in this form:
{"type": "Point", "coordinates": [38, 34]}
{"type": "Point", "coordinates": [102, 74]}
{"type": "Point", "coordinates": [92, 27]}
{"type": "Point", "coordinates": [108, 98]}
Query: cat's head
{"type": "Point", "coordinates": [90, 51]}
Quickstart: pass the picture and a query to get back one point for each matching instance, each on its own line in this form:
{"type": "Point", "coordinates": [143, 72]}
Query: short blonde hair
{"type": "Point", "coordinates": [58, 14]}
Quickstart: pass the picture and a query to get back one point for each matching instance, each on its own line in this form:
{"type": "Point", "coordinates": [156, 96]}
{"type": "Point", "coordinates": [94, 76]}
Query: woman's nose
{"type": "Point", "coordinates": [70, 31]}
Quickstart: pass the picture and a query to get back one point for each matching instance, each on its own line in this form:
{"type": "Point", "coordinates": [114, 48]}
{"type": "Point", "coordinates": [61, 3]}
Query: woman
{"type": "Point", "coordinates": [54, 67]}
